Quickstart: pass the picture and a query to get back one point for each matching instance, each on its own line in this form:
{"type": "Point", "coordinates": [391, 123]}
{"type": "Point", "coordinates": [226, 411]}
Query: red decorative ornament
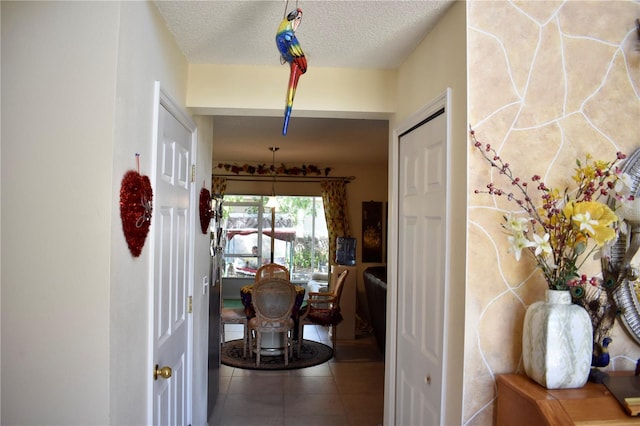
{"type": "Point", "coordinates": [205, 209]}
{"type": "Point", "coordinates": [135, 209]}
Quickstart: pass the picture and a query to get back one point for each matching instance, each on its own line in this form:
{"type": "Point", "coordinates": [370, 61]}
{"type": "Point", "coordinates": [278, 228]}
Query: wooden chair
{"type": "Point", "coordinates": [323, 309]}
{"type": "Point", "coordinates": [273, 300]}
{"type": "Point", "coordinates": [235, 316]}
{"type": "Point", "coordinates": [272, 270]}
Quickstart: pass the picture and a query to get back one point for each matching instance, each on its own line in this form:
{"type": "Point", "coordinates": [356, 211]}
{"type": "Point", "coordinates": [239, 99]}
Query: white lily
{"type": "Point", "coordinates": [516, 224]}
{"type": "Point", "coordinates": [542, 244]}
{"type": "Point", "coordinates": [585, 221]}
{"type": "Point", "coordinates": [518, 243]}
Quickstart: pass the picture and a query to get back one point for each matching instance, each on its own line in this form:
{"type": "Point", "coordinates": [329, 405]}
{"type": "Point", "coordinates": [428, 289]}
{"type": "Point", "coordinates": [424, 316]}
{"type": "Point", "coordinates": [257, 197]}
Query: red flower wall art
{"type": "Point", "coordinates": [136, 207]}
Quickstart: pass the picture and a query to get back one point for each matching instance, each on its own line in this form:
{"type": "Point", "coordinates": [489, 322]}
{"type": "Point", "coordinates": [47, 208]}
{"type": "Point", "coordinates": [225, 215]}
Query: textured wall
{"type": "Point", "coordinates": [549, 81]}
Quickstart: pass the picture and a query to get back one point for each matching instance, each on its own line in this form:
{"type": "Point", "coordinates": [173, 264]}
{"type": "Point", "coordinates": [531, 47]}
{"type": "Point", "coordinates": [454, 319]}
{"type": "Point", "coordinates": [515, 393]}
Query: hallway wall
{"type": "Point", "coordinates": [438, 63]}
{"type": "Point", "coordinates": [323, 92]}
{"type": "Point", "coordinates": [58, 109]}
{"type": "Point", "coordinates": [77, 104]}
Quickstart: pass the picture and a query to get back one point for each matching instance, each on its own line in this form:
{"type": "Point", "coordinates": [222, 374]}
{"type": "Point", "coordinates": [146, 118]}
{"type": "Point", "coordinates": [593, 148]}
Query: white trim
{"type": "Point", "coordinates": [161, 98]}
{"type": "Point", "coordinates": [180, 114]}
{"type": "Point", "coordinates": [391, 358]}
{"type": "Point", "coordinates": [447, 259]}
{"type": "Point", "coordinates": [152, 240]}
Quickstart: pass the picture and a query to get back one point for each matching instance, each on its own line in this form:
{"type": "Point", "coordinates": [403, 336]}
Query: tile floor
{"type": "Point", "coordinates": [348, 390]}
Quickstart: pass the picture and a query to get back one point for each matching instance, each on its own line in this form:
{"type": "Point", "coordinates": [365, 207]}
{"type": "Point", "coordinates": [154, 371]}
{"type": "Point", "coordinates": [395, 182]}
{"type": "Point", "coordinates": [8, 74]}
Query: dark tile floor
{"type": "Point", "coordinates": [348, 390]}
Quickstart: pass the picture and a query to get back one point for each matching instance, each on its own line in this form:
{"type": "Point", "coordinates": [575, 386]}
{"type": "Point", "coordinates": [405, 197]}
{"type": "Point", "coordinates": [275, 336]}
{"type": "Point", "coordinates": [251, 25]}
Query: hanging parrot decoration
{"type": "Point", "coordinates": [291, 52]}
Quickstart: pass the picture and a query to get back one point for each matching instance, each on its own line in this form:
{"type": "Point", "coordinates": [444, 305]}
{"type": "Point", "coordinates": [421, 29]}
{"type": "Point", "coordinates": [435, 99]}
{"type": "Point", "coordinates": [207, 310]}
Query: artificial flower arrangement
{"type": "Point", "coordinates": [569, 226]}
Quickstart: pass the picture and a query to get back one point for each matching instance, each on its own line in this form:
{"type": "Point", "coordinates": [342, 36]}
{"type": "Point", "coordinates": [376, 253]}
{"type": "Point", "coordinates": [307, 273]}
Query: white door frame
{"type": "Point", "coordinates": [162, 99]}
{"type": "Point", "coordinates": [391, 358]}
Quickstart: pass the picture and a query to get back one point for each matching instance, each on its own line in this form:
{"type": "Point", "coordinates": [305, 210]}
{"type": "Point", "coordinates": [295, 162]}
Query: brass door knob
{"type": "Point", "coordinates": [164, 372]}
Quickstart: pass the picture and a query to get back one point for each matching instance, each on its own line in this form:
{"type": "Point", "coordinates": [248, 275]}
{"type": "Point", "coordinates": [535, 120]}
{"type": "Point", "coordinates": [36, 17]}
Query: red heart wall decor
{"type": "Point", "coordinates": [136, 207]}
{"type": "Point", "coordinates": [205, 209]}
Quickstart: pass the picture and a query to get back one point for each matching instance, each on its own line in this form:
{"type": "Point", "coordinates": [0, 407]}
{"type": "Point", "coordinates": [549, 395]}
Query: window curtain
{"type": "Point", "coordinates": [334, 198]}
{"type": "Point", "coordinates": [218, 186]}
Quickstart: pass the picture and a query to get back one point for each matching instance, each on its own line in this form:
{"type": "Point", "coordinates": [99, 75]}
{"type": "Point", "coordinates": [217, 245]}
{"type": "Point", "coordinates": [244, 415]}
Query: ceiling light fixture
{"type": "Point", "coordinates": [272, 203]}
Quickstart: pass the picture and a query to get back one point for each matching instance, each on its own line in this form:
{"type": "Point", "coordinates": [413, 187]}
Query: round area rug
{"type": "Point", "coordinates": [311, 353]}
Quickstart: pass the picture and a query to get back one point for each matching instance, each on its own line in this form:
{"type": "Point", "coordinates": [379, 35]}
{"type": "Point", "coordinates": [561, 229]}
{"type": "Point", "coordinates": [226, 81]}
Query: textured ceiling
{"type": "Point", "coordinates": [333, 33]}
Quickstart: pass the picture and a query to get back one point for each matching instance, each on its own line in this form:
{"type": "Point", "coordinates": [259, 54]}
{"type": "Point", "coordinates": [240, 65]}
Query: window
{"type": "Point", "coordinates": [300, 237]}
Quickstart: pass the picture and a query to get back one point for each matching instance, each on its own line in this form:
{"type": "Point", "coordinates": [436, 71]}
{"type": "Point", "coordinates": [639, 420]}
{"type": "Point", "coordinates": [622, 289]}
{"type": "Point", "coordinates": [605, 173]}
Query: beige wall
{"type": "Point", "coordinates": [58, 110]}
{"type": "Point", "coordinates": [439, 63]}
{"type": "Point", "coordinates": [548, 82]}
{"type": "Point", "coordinates": [201, 268]}
{"type": "Point", "coordinates": [323, 92]}
{"type": "Point", "coordinates": [77, 103]}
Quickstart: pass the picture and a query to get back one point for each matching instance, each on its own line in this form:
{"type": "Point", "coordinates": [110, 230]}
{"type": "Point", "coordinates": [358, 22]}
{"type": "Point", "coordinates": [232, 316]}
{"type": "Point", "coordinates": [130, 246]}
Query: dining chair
{"type": "Point", "coordinates": [323, 308]}
{"type": "Point", "coordinates": [235, 316]}
{"type": "Point", "coordinates": [272, 270]}
{"type": "Point", "coordinates": [273, 300]}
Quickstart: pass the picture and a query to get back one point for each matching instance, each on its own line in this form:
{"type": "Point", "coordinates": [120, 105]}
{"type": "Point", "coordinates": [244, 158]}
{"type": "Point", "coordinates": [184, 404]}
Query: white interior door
{"type": "Point", "coordinates": [421, 171]}
{"type": "Point", "coordinates": [172, 260]}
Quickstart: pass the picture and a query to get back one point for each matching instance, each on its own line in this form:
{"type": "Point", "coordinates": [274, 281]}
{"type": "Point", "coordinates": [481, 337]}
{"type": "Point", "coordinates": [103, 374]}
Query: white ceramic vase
{"type": "Point", "coordinates": [557, 342]}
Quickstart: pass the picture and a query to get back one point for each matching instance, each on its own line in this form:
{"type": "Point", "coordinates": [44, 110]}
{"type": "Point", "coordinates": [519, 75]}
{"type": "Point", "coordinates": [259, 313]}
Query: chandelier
{"type": "Point", "coordinates": [272, 203]}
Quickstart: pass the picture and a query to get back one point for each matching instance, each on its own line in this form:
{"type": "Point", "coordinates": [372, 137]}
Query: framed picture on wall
{"type": "Point", "coordinates": [372, 240]}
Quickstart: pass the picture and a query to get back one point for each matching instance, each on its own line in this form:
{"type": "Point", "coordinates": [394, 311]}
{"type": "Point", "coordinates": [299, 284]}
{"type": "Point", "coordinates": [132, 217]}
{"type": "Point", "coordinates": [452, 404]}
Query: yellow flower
{"type": "Point", "coordinates": [601, 164]}
{"type": "Point", "coordinates": [593, 219]}
{"type": "Point", "coordinates": [562, 220]}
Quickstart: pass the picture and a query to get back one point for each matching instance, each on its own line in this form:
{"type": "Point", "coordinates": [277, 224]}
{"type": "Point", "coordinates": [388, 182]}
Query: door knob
{"type": "Point", "coordinates": [164, 372]}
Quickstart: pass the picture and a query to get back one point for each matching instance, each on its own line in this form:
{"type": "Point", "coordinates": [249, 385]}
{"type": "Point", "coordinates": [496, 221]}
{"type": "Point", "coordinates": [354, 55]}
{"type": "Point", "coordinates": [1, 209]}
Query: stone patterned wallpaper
{"type": "Point", "coordinates": [549, 81]}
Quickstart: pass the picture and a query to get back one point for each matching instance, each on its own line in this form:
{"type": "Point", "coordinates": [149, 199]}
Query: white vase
{"type": "Point", "coordinates": [557, 342]}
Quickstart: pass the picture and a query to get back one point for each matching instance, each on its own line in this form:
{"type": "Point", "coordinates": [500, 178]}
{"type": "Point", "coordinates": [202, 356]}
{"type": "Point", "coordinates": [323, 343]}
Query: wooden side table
{"type": "Point", "coordinates": [523, 402]}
